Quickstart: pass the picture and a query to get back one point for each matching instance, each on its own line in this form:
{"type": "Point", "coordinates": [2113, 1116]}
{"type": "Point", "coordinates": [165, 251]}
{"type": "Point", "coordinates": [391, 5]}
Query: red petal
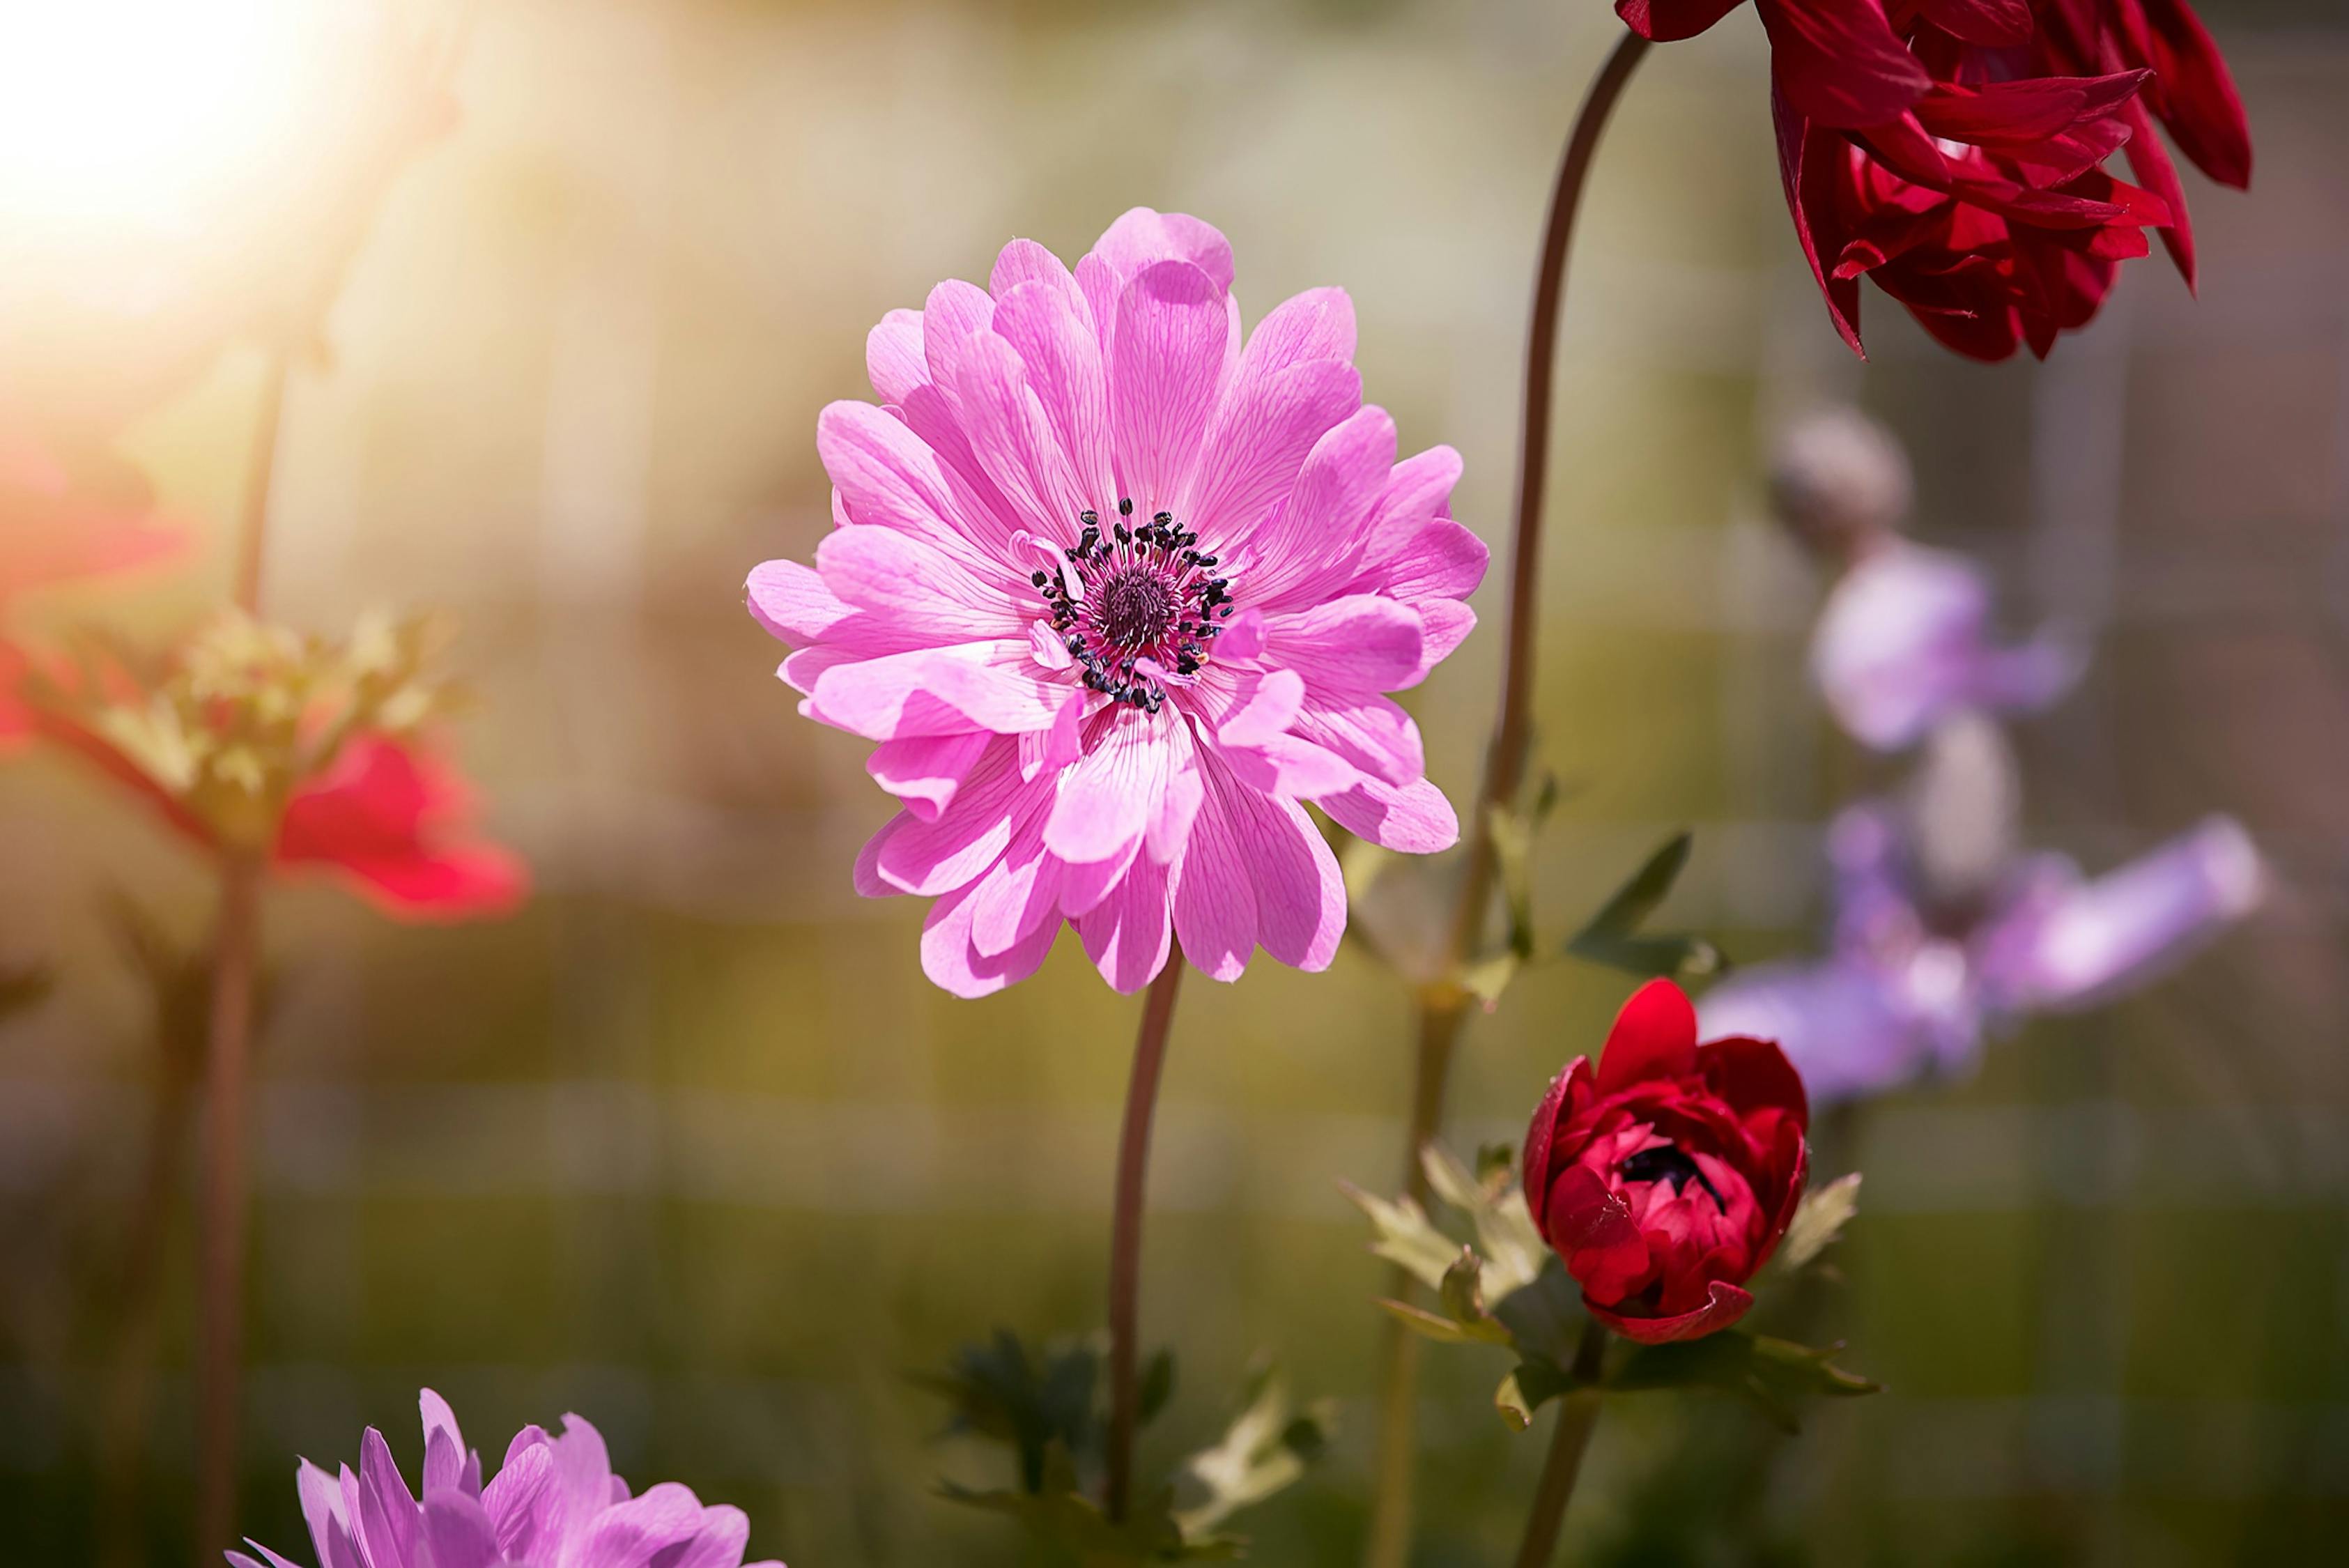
{"type": "Point", "coordinates": [1752, 1075]}
{"type": "Point", "coordinates": [1654, 1037]}
{"type": "Point", "coordinates": [1993, 21]}
{"type": "Point", "coordinates": [395, 820]}
{"type": "Point", "coordinates": [2199, 103]}
{"type": "Point", "coordinates": [1840, 62]}
{"type": "Point", "coordinates": [1667, 21]}
{"type": "Point", "coordinates": [1726, 1305]}
{"type": "Point", "coordinates": [1535, 1159]}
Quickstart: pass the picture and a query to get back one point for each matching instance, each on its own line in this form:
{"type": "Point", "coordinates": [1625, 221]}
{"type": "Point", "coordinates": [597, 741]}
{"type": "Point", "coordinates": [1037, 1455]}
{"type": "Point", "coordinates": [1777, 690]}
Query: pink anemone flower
{"type": "Point", "coordinates": [1115, 591]}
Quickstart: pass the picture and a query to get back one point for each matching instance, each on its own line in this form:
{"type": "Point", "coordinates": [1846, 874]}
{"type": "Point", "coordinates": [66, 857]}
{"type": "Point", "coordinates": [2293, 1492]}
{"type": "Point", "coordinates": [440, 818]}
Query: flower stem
{"type": "Point", "coordinates": [1578, 1413]}
{"type": "Point", "coordinates": [244, 587]}
{"type": "Point", "coordinates": [228, 1051]}
{"type": "Point", "coordinates": [1443, 1006]}
{"type": "Point", "coordinates": [1126, 1234]}
{"type": "Point", "coordinates": [221, 1327]}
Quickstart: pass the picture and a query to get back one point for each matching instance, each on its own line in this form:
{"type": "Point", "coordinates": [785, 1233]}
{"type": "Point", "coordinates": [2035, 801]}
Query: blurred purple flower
{"type": "Point", "coordinates": [555, 1503]}
{"type": "Point", "coordinates": [1115, 592]}
{"type": "Point", "coordinates": [1911, 985]}
{"type": "Point", "coordinates": [1906, 639]}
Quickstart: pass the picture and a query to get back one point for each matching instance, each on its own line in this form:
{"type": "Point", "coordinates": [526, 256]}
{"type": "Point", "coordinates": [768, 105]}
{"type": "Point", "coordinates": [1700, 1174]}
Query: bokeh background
{"type": "Point", "coordinates": [689, 1147]}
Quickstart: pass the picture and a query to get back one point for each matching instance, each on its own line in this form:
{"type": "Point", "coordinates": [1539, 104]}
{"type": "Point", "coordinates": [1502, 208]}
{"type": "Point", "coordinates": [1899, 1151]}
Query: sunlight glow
{"type": "Point", "coordinates": [123, 120]}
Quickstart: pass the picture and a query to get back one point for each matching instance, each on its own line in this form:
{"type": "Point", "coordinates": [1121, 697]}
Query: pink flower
{"type": "Point", "coordinates": [1115, 592]}
{"type": "Point", "coordinates": [555, 1503]}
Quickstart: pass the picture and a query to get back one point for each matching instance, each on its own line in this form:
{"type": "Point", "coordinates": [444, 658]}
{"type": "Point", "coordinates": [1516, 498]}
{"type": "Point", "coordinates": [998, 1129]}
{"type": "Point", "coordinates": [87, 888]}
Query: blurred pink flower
{"type": "Point", "coordinates": [555, 1501]}
{"type": "Point", "coordinates": [1115, 592]}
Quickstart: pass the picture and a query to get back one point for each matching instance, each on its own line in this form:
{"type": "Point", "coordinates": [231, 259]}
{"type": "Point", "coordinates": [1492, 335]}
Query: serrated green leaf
{"type": "Point", "coordinates": [1771, 1375]}
{"type": "Point", "coordinates": [1037, 1404]}
{"type": "Point", "coordinates": [1402, 1235]}
{"type": "Point", "coordinates": [1442, 1329]}
{"type": "Point", "coordinates": [1612, 936]}
{"type": "Point", "coordinates": [1265, 1450]}
{"type": "Point", "coordinates": [1513, 1250]}
{"type": "Point", "coordinates": [1457, 1290]}
{"type": "Point", "coordinates": [1818, 1219]}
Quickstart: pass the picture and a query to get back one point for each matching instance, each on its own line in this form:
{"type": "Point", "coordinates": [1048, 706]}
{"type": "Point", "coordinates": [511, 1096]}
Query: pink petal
{"type": "Point", "coordinates": [915, 589]}
{"type": "Point", "coordinates": [1417, 492]}
{"type": "Point", "coordinates": [1044, 322]}
{"type": "Point", "coordinates": [957, 847]}
{"type": "Point", "coordinates": [1107, 798]}
{"type": "Point", "coordinates": [1010, 436]}
{"type": "Point", "coordinates": [1415, 819]}
{"type": "Point", "coordinates": [936, 691]}
{"type": "Point", "coordinates": [1166, 366]}
{"type": "Point", "coordinates": [1313, 543]}
{"type": "Point", "coordinates": [1258, 440]}
{"type": "Point", "coordinates": [925, 771]}
{"type": "Point", "coordinates": [894, 361]}
{"type": "Point", "coordinates": [1357, 646]}
{"type": "Point", "coordinates": [890, 477]}
{"type": "Point", "coordinates": [1300, 896]}
{"type": "Point", "coordinates": [1215, 898]}
{"type": "Point", "coordinates": [1128, 933]}
{"type": "Point", "coordinates": [1371, 733]}
{"type": "Point", "coordinates": [1141, 238]}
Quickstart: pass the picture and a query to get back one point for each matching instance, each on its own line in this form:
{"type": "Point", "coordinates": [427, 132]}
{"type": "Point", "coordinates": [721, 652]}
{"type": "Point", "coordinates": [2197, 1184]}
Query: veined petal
{"type": "Point", "coordinates": [1166, 366]}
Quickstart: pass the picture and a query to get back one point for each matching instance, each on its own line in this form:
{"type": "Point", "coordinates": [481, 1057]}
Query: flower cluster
{"type": "Point", "coordinates": [251, 737]}
{"type": "Point", "coordinates": [1954, 151]}
{"type": "Point", "coordinates": [555, 1503]}
{"type": "Point", "coordinates": [1115, 592]}
{"type": "Point", "coordinates": [1666, 1178]}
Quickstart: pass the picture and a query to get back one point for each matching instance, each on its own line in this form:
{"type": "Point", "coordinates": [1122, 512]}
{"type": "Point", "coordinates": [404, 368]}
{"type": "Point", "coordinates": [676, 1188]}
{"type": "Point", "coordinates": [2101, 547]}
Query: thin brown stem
{"type": "Point", "coordinates": [1125, 1233]}
{"type": "Point", "coordinates": [252, 538]}
{"type": "Point", "coordinates": [236, 963]}
{"type": "Point", "coordinates": [1578, 1413]}
{"type": "Point", "coordinates": [1443, 1006]}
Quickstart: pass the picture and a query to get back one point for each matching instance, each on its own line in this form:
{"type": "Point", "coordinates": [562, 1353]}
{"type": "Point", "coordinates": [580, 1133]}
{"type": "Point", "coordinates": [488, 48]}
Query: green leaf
{"type": "Point", "coordinates": [1818, 1219]}
{"type": "Point", "coordinates": [1265, 1450]}
{"type": "Point", "coordinates": [1157, 1386]}
{"type": "Point", "coordinates": [1489, 980]}
{"type": "Point", "coordinates": [1440, 1328]}
{"type": "Point", "coordinates": [1771, 1375]}
{"type": "Point", "coordinates": [1035, 1403]}
{"type": "Point", "coordinates": [1513, 1249]}
{"type": "Point", "coordinates": [1612, 938]}
{"type": "Point", "coordinates": [1544, 1317]}
{"type": "Point", "coordinates": [1526, 1390]}
{"type": "Point", "coordinates": [1402, 1235]}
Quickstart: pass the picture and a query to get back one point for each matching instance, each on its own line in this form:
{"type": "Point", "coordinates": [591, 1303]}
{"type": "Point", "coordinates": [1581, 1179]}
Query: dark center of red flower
{"type": "Point", "coordinates": [1669, 1162]}
{"type": "Point", "coordinates": [1138, 606]}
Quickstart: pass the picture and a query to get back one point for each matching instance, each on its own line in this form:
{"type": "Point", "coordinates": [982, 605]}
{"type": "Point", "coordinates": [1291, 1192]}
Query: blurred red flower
{"type": "Point", "coordinates": [246, 736]}
{"type": "Point", "coordinates": [1665, 1179]}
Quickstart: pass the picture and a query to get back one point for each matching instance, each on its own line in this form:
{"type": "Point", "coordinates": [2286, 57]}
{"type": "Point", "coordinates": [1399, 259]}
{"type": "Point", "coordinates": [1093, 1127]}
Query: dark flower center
{"type": "Point", "coordinates": [1136, 605]}
{"type": "Point", "coordinates": [1669, 1162]}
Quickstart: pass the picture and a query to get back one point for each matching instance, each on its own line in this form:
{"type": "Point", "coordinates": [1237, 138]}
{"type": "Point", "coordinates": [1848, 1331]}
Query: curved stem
{"type": "Point", "coordinates": [1578, 1413]}
{"type": "Point", "coordinates": [1443, 1007]}
{"type": "Point", "coordinates": [244, 585]}
{"type": "Point", "coordinates": [1125, 1233]}
{"type": "Point", "coordinates": [221, 1317]}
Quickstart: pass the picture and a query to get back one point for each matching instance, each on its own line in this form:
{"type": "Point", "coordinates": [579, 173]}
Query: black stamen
{"type": "Point", "coordinates": [1669, 1162]}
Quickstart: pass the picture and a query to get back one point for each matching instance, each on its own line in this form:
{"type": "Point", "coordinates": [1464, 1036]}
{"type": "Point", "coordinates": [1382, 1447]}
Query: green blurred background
{"type": "Point", "coordinates": [691, 1146]}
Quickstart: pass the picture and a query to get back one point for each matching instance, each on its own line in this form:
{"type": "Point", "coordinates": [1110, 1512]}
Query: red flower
{"type": "Point", "coordinates": [1838, 62]}
{"type": "Point", "coordinates": [1985, 210]}
{"type": "Point", "coordinates": [388, 816]}
{"type": "Point", "coordinates": [396, 821]}
{"type": "Point", "coordinates": [1665, 1179]}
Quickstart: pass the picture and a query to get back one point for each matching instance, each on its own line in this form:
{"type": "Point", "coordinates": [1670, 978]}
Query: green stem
{"type": "Point", "coordinates": [1125, 1227]}
{"type": "Point", "coordinates": [1578, 1413]}
{"type": "Point", "coordinates": [1443, 1007]}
